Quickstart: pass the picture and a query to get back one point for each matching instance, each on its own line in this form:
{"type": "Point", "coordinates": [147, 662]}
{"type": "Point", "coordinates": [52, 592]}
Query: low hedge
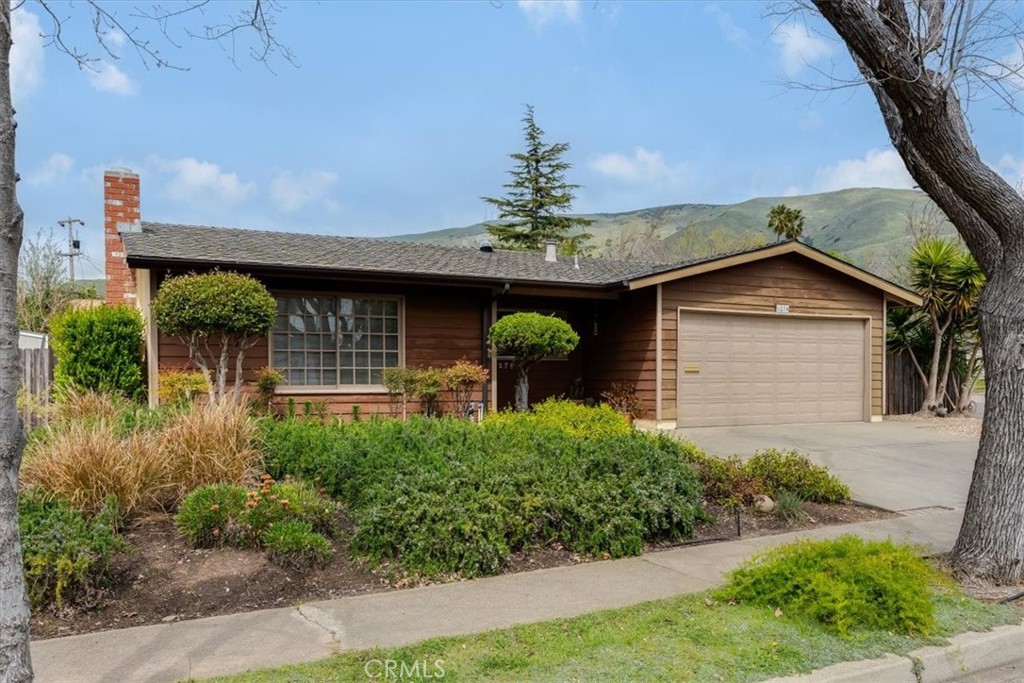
{"type": "Point", "coordinates": [449, 497]}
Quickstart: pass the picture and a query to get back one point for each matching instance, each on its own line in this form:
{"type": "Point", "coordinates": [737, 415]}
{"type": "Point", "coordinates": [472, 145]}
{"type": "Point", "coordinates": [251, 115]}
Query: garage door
{"type": "Point", "coordinates": [761, 369]}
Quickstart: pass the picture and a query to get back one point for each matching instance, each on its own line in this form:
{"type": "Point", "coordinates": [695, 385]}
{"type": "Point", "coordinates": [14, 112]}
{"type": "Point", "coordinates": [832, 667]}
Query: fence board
{"type": "Point", "coordinates": [36, 379]}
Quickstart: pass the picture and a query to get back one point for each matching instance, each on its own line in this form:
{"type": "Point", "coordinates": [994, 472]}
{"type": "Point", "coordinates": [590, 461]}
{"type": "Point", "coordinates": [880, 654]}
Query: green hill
{"type": "Point", "coordinates": [868, 225]}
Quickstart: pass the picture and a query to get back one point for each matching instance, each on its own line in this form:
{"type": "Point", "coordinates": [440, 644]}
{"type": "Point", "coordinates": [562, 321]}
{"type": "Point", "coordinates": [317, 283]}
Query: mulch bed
{"type": "Point", "coordinates": [166, 580]}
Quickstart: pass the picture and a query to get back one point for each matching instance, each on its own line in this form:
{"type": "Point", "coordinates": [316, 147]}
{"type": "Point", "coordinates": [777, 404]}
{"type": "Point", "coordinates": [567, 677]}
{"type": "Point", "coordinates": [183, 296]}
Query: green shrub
{"type": "Point", "coordinates": [725, 481]}
{"type": "Point", "coordinates": [206, 515]}
{"type": "Point", "coordinates": [67, 555]}
{"type": "Point", "coordinates": [293, 543]}
{"type": "Point", "coordinates": [99, 349]}
{"type": "Point", "coordinates": [794, 472]}
{"type": "Point", "coordinates": [847, 584]}
{"type": "Point", "coordinates": [446, 497]}
{"type": "Point", "coordinates": [176, 387]}
{"type": "Point", "coordinates": [576, 419]}
{"type": "Point", "coordinates": [285, 501]}
{"type": "Point", "coordinates": [788, 506]}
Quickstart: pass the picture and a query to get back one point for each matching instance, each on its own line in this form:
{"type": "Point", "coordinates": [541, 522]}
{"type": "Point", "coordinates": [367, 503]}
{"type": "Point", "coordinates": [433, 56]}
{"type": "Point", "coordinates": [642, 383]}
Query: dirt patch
{"type": "Point", "coordinates": [957, 425]}
{"type": "Point", "coordinates": [166, 580]}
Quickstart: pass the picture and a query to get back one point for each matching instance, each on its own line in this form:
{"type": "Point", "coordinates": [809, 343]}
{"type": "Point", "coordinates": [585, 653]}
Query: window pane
{"type": "Point", "coordinates": [391, 342]}
{"type": "Point", "coordinates": [361, 359]}
{"type": "Point", "coordinates": [362, 340]}
{"type": "Point", "coordinates": [391, 325]}
{"type": "Point", "coordinates": [375, 377]}
{"type": "Point", "coordinates": [362, 376]}
{"type": "Point", "coordinates": [346, 377]}
{"type": "Point", "coordinates": [280, 359]}
{"type": "Point", "coordinates": [391, 360]}
{"type": "Point", "coordinates": [377, 359]}
{"type": "Point", "coordinates": [376, 324]}
{"type": "Point", "coordinates": [330, 377]}
{"type": "Point", "coordinates": [376, 342]}
{"type": "Point", "coordinates": [391, 307]}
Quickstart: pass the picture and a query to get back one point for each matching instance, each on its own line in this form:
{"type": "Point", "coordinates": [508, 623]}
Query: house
{"type": "Point", "coordinates": [779, 334]}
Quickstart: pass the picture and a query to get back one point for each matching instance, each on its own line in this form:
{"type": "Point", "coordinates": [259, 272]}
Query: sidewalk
{"type": "Point", "coordinates": [239, 642]}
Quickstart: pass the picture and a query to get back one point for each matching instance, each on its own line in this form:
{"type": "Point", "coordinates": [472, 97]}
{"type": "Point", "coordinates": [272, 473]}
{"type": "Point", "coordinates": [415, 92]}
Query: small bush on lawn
{"type": "Point", "coordinates": [444, 497]}
{"type": "Point", "coordinates": [206, 514]}
{"type": "Point", "coordinates": [293, 543]}
{"type": "Point", "coordinates": [794, 472]}
{"type": "Point", "coordinates": [67, 554]}
{"type": "Point", "coordinates": [582, 422]}
{"type": "Point", "coordinates": [848, 584]}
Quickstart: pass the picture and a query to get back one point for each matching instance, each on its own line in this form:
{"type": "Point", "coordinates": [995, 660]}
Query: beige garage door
{"type": "Point", "coordinates": [769, 369]}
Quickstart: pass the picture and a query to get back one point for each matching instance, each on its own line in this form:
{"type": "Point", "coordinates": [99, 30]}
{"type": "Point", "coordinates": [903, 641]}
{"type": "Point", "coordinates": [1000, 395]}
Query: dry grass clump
{"type": "Point", "coordinates": [85, 405]}
{"type": "Point", "coordinates": [84, 460]}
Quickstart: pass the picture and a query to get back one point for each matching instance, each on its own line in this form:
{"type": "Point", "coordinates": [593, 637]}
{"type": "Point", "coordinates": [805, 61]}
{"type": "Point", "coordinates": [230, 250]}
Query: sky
{"type": "Point", "coordinates": [397, 117]}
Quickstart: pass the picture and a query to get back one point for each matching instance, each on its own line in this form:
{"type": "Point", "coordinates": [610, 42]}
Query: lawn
{"type": "Point", "coordinates": [679, 639]}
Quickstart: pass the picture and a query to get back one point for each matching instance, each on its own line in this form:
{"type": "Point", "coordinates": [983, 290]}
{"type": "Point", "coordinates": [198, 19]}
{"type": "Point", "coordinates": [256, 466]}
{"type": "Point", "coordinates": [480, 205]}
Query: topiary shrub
{"type": "Point", "coordinates": [294, 544]}
{"type": "Point", "coordinates": [67, 554]}
{"type": "Point", "coordinates": [219, 316]}
{"type": "Point", "coordinates": [99, 349]}
{"type": "Point", "coordinates": [530, 337]}
{"type": "Point", "coordinates": [207, 515]}
{"type": "Point", "coordinates": [847, 584]}
{"type": "Point", "coordinates": [794, 472]}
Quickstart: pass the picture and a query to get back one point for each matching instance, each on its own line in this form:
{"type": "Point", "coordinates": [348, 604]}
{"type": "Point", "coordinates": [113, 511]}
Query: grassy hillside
{"type": "Point", "coordinates": [869, 225]}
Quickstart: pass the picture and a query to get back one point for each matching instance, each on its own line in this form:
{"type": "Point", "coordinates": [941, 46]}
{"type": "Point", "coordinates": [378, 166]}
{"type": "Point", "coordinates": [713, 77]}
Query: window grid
{"type": "Point", "coordinates": [335, 341]}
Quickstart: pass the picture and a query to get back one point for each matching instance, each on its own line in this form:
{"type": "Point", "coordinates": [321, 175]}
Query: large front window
{"type": "Point", "coordinates": [336, 341]}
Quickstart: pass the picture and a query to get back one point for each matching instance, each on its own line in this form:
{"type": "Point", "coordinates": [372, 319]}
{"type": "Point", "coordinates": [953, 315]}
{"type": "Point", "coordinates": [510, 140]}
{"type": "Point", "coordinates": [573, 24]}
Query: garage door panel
{"type": "Point", "coordinates": [769, 369]}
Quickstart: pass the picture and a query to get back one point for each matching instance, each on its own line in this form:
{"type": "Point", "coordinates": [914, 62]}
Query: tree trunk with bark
{"type": "Point", "coordinates": [915, 87]}
{"type": "Point", "coordinates": [522, 388]}
{"type": "Point", "coordinates": [991, 541]}
{"type": "Point", "coordinates": [15, 659]}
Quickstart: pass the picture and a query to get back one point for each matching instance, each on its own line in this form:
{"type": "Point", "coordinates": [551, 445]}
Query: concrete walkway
{"type": "Point", "coordinates": [239, 642]}
{"type": "Point", "coordinates": [894, 465]}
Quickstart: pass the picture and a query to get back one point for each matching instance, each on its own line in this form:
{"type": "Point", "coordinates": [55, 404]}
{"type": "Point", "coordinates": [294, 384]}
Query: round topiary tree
{"type": "Point", "coordinates": [219, 316]}
{"type": "Point", "coordinates": [529, 337]}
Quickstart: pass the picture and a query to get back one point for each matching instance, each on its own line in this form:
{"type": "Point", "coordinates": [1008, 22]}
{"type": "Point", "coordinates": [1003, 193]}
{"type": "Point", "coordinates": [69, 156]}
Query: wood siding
{"type": "Point", "coordinates": [807, 287]}
{"type": "Point", "coordinates": [624, 349]}
{"type": "Point", "coordinates": [441, 325]}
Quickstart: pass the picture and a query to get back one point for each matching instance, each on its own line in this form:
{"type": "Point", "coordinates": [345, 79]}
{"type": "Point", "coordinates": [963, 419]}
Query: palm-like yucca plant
{"type": "Point", "coordinates": [786, 222]}
{"type": "Point", "coordinates": [950, 281]}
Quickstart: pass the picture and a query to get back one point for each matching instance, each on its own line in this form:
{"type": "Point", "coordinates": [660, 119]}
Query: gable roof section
{"type": "Point", "coordinates": [165, 244]}
{"type": "Point", "coordinates": [893, 291]}
{"type": "Point", "coordinates": [186, 246]}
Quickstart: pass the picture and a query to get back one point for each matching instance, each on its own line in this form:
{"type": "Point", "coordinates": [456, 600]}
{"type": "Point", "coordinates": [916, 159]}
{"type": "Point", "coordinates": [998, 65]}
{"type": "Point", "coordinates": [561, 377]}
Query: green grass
{"type": "Point", "coordinates": [679, 639]}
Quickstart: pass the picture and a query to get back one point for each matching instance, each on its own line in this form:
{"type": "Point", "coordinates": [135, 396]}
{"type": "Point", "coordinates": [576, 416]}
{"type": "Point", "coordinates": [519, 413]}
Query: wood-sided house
{"type": "Point", "coordinates": [779, 334]}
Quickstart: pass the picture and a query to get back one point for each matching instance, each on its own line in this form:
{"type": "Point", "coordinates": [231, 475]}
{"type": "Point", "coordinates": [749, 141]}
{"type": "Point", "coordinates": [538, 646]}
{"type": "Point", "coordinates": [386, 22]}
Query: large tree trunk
{"type": "Point", "coordinates": [991, 541]}
{"type": "Point", "coordinates": [15, 661]}
{"type": "Point", "coordinates": [522, 388]}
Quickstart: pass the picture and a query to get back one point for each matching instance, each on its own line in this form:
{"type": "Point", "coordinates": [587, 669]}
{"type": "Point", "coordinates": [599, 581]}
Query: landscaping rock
{"type": "Point", "coordinates": [764, 504]}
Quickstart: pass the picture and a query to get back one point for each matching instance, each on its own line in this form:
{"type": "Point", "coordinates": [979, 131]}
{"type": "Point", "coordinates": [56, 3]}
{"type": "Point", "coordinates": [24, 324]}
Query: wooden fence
{"type": "Point", "coordinates": [36, 379]}
{"type": "Point", "coordinates": [904, 388]}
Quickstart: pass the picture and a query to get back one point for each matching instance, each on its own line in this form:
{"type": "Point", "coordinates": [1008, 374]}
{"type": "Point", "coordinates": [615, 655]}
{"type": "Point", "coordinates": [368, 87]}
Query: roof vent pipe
{"type": "Point", "coordinates": [486, 247]}
{"type": "Point", "coordinates": [551, 250]}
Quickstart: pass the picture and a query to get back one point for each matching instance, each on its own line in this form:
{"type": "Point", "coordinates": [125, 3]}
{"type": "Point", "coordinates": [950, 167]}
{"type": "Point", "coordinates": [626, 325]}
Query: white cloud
{"type": "Point", "coordinates": [1011, 168]}
{"type": "Point", "coordinates": [878, 168]}
{"type": "Point", "coordinates": [733, 33]}
{"type": "Point", "coordinates": [540, 13]}
{"type": "Point", "coordinates": [201, 182]}
{"type": "Point", "coordinates": [799, 47]}
{"type": "Point", "coordinates": [56, 165]}
{"type": "Point", "coordinates": [642, 168]}
{"type": "Point", "coordinates": [291, 192]}
{"type": "Point", "coordinates": [26, 54]}
{"type": "Point", "coordinates": [107, 77]}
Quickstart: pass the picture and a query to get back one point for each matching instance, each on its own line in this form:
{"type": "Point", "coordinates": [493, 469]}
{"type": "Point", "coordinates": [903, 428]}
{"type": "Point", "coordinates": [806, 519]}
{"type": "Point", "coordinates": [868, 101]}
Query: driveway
{"type": "Point", "coordinates": [894, 465]}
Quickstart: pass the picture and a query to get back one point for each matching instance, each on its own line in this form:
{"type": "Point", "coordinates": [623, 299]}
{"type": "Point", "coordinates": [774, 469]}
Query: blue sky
{"type": "Point", "coordinates": [400, 115]}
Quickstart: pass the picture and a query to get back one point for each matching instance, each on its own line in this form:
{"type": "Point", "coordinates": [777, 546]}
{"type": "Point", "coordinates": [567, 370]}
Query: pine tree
{"type": "Point", "coordinates": [538, 198]}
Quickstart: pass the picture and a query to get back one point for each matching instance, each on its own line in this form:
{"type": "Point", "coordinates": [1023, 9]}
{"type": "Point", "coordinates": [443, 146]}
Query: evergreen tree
{"type": "Point", "coordinates": [538, 197]}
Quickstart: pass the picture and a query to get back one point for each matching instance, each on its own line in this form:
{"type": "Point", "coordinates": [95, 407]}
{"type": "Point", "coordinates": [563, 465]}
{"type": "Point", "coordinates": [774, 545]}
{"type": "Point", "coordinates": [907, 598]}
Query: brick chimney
{"type": "Point", "coordinates": [120, 214]}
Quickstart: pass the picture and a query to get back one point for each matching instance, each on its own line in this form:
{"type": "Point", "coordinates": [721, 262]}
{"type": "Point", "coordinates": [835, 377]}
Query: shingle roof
{"type": "Point", "coordinates": [163, 243]}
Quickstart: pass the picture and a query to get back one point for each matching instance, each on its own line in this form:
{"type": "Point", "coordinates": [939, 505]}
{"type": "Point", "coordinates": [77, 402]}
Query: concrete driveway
{"type": "Point", "coordinates": [894, 465]}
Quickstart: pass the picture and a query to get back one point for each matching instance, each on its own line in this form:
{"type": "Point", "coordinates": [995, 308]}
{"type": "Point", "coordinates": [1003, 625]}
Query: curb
{"type": "Point", "coordinates": [965, 654]}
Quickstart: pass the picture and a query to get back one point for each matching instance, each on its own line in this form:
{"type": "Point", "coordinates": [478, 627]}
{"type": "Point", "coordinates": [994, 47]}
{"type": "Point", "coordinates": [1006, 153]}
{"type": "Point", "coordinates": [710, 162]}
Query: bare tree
{"type": "Point", "coordinates": [922, 59]}
{"type": "Point", "coordinates": [44, 288]}
{"type": "Point", "coordinates": [249, 24]}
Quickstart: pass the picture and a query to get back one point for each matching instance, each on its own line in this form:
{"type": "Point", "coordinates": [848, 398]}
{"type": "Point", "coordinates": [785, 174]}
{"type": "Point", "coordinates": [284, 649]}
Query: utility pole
{"type": "Point", "coordinates": [74, 245]}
